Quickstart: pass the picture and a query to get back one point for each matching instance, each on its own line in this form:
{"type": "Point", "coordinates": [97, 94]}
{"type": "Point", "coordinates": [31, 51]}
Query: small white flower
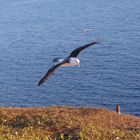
{"type": "Point", "coordinates": [16, 133]}
{"type": "Point", "coordinates": [113, 132]}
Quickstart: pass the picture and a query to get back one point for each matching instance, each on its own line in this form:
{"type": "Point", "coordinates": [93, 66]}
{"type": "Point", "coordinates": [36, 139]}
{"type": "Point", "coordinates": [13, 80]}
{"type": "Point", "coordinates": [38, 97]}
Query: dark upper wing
{"type": "Point", "coordinates": [78, 50]}
{"type": "Point", "coordinates": [50, 72]}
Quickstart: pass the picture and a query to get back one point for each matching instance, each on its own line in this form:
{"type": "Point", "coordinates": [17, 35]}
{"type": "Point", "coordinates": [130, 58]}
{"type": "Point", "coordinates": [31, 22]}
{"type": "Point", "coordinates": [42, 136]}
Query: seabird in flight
{"type": "Point", "coordinates": [71, 60]}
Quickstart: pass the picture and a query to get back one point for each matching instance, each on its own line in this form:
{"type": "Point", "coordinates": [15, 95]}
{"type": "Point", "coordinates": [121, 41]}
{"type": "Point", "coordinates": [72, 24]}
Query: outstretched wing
{"type": "Point", "coordinates": [50, 72]}
{"type": "Point", "coordinates": [76, 52]}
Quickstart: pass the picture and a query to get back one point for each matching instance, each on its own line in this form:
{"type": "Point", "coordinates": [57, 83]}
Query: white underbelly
{"type": "Point", "coordinates": [72, 62]}
{"type": "Point", "coordinates": [68, 65]}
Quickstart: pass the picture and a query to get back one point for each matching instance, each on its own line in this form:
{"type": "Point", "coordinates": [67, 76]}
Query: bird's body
{"type": "Point", "coordinates": [74, 61]}
{"type": "Point", "coordinates": [71, 60]}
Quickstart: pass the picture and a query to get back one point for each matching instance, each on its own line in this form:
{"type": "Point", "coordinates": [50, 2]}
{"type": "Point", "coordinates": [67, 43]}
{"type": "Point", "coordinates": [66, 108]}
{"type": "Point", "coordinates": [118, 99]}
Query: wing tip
{"type": "Point", "coordinates": [95, 42]}
{"type": "Point", "coordinates": [40, 82]}
{"type": "Point", "coordinates": [98, 41]}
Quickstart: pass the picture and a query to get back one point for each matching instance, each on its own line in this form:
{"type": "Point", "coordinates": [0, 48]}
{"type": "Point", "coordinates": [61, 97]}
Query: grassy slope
{"type": "Point", "coordinates": [65, 123]}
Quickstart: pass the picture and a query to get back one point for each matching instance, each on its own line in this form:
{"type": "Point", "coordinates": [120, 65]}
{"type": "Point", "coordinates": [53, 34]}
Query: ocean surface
{"type": "Point", "coordinates": [33, 32]}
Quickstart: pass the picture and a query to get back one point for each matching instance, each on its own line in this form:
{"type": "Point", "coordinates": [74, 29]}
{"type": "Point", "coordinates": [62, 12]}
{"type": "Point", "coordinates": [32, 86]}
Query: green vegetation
{"type": "Point", "coordinates": [67, 123]}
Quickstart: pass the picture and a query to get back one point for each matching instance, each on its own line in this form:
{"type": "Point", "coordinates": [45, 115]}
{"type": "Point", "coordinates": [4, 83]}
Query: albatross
{"type": "Point", "coordinates": [71, 60]}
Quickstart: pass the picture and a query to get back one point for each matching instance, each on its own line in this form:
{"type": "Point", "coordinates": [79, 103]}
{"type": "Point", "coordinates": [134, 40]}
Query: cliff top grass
{"type": "Point", "coordinates": [67, 123]}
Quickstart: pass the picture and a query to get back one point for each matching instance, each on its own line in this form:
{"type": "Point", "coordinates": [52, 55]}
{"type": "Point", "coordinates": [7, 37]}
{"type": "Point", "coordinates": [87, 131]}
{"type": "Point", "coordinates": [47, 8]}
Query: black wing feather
{"type": "Point", "coordinates": [76, 52]}
{"type": "Point", "coordinates": [50, 72]}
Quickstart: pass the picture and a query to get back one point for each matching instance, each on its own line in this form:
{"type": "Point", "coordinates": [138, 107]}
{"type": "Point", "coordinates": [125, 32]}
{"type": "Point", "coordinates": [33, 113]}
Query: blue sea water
{"type": "Point", "coordinates": [33, 32]}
